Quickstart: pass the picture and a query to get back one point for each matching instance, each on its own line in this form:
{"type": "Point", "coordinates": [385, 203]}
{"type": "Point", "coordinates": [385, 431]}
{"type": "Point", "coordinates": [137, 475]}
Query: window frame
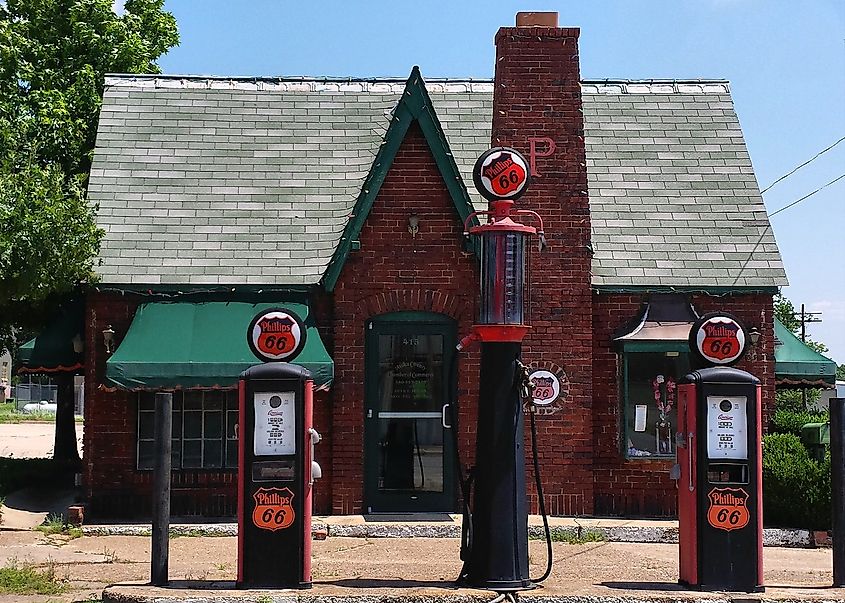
{"type": "Point", "coordinates": [653, 347]}
{"type": "Point", "coordinates": [228, 408]}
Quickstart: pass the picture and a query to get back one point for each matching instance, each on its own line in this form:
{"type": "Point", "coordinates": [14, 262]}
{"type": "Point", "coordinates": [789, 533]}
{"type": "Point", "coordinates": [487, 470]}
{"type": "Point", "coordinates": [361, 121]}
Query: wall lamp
{"type": "Point", "coordinates": [78, 345]}
{"type": "Point", "coordinates": [413, 225]}
{"type": "Point", "coordinates": [108, 339]}
{"type": "Point", "coordinates": [754, 336]}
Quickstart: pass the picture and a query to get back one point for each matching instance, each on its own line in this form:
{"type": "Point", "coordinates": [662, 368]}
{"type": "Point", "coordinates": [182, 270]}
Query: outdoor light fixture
{"type": "Point", "coordinates": [413, 225]}
{"type": "Point", "coordinates": [77, 344]}
{"type": "Point", "coordinates": [754, 335]}
{"type": "Point", "coordinates": [108, 339]}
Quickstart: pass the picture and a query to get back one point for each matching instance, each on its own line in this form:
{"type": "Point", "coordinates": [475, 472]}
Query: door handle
{"type": "Point", "coordinates": [690, 452]}
{"type": "Point", "coordinates": [443, 417]}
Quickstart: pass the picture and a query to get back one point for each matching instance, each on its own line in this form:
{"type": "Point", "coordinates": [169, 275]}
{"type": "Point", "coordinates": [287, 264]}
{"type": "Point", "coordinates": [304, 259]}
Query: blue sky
{"type": "Point", "coordinates": [785, 61]}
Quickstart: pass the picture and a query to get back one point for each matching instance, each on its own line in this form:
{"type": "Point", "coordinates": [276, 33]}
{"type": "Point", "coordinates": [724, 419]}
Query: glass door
{"type": "Point", "coordinates": [408, 447]}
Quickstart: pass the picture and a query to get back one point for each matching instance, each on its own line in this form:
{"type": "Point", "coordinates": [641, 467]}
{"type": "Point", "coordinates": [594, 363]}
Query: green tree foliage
{"type": "Point", "coordinates": [54, 55]}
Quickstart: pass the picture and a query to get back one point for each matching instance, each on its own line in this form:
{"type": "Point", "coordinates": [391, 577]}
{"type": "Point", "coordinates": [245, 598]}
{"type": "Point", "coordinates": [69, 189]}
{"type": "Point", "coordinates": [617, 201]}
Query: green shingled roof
{"type": "Point", "coordinates": [204, 181]}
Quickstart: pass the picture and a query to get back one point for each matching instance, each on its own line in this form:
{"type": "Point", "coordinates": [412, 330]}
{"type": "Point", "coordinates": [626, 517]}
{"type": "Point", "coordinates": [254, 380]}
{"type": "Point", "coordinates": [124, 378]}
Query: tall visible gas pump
{"type": "Point", "coordinates": [720, 492]}
{"type": "Point", "coordinates": [496, 554]}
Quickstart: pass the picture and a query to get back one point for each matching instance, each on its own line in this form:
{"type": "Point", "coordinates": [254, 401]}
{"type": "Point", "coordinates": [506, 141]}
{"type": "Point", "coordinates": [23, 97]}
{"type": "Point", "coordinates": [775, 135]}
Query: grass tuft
{"type": "Point", "coordinates": [26, 579]}
{"type": "Point", "coordinates": [55, 524]}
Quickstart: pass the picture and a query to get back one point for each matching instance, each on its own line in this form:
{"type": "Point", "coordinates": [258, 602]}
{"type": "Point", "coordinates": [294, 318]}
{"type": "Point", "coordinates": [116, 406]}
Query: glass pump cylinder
{"type": "Point", "coordinates": [503, 277]}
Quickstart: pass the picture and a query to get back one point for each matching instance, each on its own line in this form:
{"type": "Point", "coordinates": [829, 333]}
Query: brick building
{"type": "Point", "coordinates": [347, 198]}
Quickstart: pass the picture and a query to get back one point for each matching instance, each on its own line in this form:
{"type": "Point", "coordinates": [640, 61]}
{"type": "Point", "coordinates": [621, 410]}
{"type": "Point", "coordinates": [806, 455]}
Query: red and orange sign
{"type": "Point", "coordinates": [276, 334]}
{"type": "Point", "coordinates": [728, 508]}
{"type": "Point", "coordinates": [718, 338]}
{"type": "Point", "coordinates": [273, 508]}
{"type": "Point", "coordinates": [501, 174]}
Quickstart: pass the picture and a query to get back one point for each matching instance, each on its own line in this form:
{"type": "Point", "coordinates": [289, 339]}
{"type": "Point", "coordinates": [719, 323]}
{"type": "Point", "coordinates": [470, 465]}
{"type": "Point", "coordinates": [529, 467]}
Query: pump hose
{"type": "Point", "coordinates": [539, 482]}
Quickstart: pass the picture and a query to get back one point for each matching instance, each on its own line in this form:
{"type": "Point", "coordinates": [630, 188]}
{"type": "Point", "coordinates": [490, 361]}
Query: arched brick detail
{"type": "Point", "coordinates": [416, 300]}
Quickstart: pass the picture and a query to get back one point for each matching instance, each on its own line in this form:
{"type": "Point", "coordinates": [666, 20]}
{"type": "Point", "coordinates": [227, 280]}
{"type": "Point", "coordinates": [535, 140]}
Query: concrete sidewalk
{"type": "Point", "coordinates": [367, 570]}
{"type": "Point", "coordinates": [443, 525]}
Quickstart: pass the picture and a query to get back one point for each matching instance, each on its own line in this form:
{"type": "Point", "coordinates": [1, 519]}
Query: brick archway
{"type": "Point", "coordinates": [419, 300]}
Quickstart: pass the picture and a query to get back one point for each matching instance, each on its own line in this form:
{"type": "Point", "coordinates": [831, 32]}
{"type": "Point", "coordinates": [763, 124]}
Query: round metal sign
{"type": "Point", "coordinates": [546, 387]}
{"type": "Point", "coordinates": [276, 334]}
{"type": "Point", "coordinates": [718, 338]}
{"type": "Point", "coordinates": [501, 174]}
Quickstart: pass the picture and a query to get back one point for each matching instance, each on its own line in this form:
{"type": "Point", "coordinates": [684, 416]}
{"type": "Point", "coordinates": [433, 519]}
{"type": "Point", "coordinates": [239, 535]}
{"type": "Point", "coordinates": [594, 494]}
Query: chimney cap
{"type": "Point", "coordinates": [536, 19]}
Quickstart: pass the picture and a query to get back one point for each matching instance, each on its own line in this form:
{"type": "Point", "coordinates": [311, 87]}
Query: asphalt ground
{"type": "Point", "coordinates": [373, 569]}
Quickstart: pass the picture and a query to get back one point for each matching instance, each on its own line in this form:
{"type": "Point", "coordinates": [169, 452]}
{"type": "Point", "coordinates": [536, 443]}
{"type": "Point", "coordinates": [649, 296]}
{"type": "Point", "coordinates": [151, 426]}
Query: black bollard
{"type": "Point", "coordinates": [160, 554]}
{"type": "Point", "coordinates": [498, 559]}
{"type": "Point", "coordinates": [837, 486]}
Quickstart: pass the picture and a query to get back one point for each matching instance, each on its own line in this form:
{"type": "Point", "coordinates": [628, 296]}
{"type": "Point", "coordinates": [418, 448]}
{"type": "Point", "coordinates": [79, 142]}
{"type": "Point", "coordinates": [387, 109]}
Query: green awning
{"type": "Point", "coordinates": [201, 346]}
{"type": "Point", "coordinates": [52, 351]}
{"type": "Point", "coordinates": [797, 365]}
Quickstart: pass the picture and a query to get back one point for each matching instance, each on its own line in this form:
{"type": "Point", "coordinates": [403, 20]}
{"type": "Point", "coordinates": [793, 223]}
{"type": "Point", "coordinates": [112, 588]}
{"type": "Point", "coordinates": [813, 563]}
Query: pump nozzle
{"type": "Point", "coordinates": [467, 341]}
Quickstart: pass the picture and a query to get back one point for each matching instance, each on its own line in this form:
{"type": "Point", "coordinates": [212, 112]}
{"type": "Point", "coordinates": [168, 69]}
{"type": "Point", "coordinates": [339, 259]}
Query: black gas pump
{"type": "Point", "coordinates": [719, 446]}
{"type": "Point", "coordinates": [276, 466]}
{"type": "Point", "coordinates": [496, 554]}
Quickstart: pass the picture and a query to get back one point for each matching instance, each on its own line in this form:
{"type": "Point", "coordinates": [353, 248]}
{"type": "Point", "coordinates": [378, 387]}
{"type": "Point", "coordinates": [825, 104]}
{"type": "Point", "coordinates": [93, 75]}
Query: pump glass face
{"type": "Point", "coordinates": [503, 278]}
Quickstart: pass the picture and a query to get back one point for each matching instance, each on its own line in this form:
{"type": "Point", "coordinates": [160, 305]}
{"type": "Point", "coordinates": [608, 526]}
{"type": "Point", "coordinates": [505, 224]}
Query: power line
{"type": "Point", "coordinates": [769, 226]}
{"type": "Point", "coordinates": [824, 186]}
{"type": "Point", "coordinates": [809, 161]}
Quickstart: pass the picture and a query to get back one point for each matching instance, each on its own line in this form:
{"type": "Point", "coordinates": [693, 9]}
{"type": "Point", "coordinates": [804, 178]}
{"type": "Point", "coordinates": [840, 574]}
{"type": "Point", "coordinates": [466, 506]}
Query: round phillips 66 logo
{"type": "Point", "coordinates": [276, 334]}
{"type": "Point", "coordinates": [546, 387]}
{"type": "Point", "coordinates": [273, 508]}
{"type": "Point", "coordinates": [718, 338]}
{"type": "Point", "coordinates": [501, 174]}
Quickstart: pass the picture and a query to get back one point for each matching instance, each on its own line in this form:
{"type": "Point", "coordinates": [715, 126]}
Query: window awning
{"type": "Point", "coordinates": [797, 365]}
{"type": "Point", "coordinates": [663, 323]}
{"type": "Point", "coordinates": [201, 346]}
{"type": "Point", "coordinates": [54, 349]}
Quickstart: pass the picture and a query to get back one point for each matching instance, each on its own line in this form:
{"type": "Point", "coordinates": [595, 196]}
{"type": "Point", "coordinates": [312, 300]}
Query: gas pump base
{"type": "Point", "coordinates": [498, 554]}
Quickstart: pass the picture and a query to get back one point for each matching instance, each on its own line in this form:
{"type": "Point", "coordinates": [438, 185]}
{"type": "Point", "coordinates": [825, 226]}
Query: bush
{"type": "Point", "coordinates": [796, 488]}
{"type": "Point", "coordinates": [791, 421]}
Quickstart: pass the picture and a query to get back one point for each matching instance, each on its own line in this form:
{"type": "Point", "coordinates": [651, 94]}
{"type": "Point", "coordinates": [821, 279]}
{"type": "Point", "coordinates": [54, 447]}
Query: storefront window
{"type": "Point", "coordinates": [203, 430]}
{"type": "Point", "coordinates": [650, 388]}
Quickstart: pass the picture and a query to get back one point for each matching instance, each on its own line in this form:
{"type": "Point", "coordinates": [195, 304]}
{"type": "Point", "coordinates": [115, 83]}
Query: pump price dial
{"type": "Point", "coordinates": [501, 174]}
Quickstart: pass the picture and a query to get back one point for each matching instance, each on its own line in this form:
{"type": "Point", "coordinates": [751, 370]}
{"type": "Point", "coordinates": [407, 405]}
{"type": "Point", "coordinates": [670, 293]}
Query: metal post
{"type": "Point", "coordinates": [837, 486]}
{"type": "Point", "coordinates": [161, 489]}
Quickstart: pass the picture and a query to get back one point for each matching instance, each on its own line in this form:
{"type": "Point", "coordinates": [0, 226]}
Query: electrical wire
{"type": "Point", "coordinates": [808, 162]}
{"type": "Point", "coordinates": [769, 226]}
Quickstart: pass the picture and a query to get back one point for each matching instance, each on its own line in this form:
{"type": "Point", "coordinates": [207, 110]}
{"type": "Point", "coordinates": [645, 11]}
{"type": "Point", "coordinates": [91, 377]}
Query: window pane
{"type": "Point", "coordinates": [192, 453]}
{"type": "Point", "coordinates": [176, 454]}
{"type": "Point", "coordinates": [231, 421]}
{"type": "Point", "coordinates": [651, 407]}
{"type": "Point", "coordinates": [146, 450]}
{"type": "Point", "coordinates": [193, 401]}
{"type": "Point", "coordinates": [193, 424]}
{"type": "Point", "coordinates": [177, 425]}
{"type": "Point", "coordinates": [213, 425]}
{"type": "Point", "coordinates": [146, 401]}
{"type": "Point", "coordinates": [214, 400]}
{"type": "Point", "coordinates": [212, 453]}
{"type": "Point", "coordinates": [146, 425]}
{"type": "Point", "coordinates": [232, 400]}
{"type": "Point", "coordinates": [231, 453]}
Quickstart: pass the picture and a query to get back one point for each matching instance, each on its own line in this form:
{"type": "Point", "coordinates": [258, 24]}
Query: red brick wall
{"type": "Point", "coordinates": [113, 486]}
{"type": "Point", "coordinates": [394, 271]}
{"type": "Point", "coordinates": [642, 486]}
{"type": "Point", "coordinates": [538, 95]}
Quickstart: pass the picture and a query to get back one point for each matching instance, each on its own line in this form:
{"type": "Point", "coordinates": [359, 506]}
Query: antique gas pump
{"type": "Point", "coordinates": [497, 556]}
{"type": "Point", "coordinates": [719, 445]}
{"type": "Point", "coordinates": [276, 466]}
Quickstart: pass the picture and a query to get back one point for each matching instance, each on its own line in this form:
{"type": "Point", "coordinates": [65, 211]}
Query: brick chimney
{"type": "Point", "coordinates": [537, 110]}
